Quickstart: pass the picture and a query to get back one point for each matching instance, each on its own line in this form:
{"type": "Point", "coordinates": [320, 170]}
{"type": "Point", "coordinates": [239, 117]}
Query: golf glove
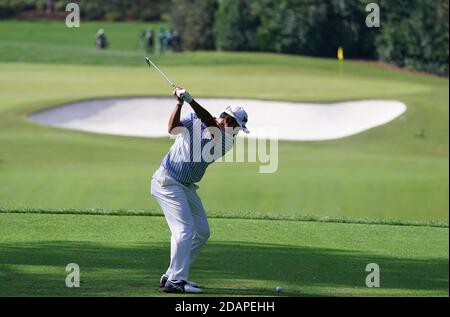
{"type": "Point", "coordinates": [184, 95]}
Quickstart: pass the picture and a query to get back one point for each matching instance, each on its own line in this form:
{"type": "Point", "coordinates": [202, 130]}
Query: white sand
{"type": "Point", "coordinates": [147, 117]}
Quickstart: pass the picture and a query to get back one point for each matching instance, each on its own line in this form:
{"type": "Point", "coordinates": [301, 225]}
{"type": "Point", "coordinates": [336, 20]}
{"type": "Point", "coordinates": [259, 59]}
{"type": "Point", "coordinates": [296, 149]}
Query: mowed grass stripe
{"type": "Point", "coordinates": [228, 215]}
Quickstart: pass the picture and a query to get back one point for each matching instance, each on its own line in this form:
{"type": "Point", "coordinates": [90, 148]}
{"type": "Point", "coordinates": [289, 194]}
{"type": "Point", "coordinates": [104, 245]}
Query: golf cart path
{"type": "Point", "coordinates": [147, 117]}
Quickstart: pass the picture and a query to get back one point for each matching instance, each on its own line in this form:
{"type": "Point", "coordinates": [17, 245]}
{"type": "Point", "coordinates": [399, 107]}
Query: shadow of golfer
{"type": "Point", "coordinates": [232, 269]}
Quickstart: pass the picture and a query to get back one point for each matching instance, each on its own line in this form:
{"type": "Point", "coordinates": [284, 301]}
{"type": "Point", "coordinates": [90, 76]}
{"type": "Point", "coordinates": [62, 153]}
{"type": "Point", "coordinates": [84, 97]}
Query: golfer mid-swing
{"type": "Point", "coordinates": [201, 139]}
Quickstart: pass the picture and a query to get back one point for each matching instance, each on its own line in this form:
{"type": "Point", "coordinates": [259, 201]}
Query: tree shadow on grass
{"type": "Point", "coordinates": [230, 269]}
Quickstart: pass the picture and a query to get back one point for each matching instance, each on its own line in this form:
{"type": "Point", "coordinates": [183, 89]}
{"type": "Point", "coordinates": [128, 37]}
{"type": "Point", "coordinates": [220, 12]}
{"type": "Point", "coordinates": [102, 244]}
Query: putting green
{"type": "Point", "coordinates": [243, 257]}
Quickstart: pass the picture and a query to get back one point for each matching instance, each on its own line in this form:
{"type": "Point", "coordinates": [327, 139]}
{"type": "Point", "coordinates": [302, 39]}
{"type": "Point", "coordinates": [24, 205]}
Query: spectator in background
{"type": "Point", "coordinates": [162, 41]}
{"type": "Point", "coordinates": [141, 39]}
{"type": "Point", "coordinates": [169, 35]}
{"type": "Point", "coordinates": [168, 38]}
{"type": "Point", "coordinates": [176, 41]}
{"type": "Point", "coordinates": [149, 40]}
{"type": "Point", "coordinates": [100, 40]}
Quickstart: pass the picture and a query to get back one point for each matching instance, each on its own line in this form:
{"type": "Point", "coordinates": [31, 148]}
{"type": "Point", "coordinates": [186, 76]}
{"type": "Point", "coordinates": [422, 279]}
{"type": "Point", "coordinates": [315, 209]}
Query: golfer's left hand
{"type": "Point", "coordinates": [179, 100]}
{"type": "Point", "coordinates": [183, 94]}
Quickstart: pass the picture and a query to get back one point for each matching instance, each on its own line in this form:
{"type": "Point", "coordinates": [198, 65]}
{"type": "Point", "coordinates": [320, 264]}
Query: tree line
{"type": "Point", "coordinates": [413, 33]}
{"type": "Point", "coordinates": [112, 10]}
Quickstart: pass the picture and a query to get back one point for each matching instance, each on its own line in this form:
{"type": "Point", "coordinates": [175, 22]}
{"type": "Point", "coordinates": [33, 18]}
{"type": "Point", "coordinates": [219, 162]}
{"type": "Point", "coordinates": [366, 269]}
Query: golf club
{"type": "Point", "coordinates": [150, 64]}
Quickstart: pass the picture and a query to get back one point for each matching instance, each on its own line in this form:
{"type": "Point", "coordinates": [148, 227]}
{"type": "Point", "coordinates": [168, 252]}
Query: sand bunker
{"type": "Point", "coordinates": [147, 117]}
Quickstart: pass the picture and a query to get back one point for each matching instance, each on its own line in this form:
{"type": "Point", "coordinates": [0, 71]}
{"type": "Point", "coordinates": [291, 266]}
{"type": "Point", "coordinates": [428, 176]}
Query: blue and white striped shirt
{"type": "Point", "coordinates": [194, 150]}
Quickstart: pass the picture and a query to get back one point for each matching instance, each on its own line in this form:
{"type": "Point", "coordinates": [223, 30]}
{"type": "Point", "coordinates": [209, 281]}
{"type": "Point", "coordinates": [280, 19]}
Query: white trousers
{"type": "Point", "coordinates": [186, 218]}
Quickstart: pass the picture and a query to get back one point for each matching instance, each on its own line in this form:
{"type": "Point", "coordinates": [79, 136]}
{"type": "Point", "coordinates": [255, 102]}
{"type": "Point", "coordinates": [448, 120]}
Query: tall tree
{"type": "Point", "coordinates": [235, 25]}
{"type": "Point", "coordinates": [49, 6]}
{"type": "Point", "coordinates": [194, 20]}
{"type": "Point", "coordinates": [416, 38]}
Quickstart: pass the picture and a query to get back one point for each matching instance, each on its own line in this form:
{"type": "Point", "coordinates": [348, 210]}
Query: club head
{"type": "Point", "coordinates": [148, 62]}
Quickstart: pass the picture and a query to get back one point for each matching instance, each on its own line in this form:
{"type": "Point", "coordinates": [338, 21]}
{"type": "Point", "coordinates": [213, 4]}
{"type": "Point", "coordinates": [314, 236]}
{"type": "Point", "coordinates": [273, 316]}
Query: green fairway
{"type": "Point", "coordinates": [383, 173]}
{"type": "Point", "coordinates": [305, 258]}
{"type": "Point", "coordinates": [51, 41]}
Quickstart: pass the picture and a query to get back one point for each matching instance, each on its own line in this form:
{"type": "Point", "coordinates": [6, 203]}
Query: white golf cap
{"type": "Point", "coordinates": [240, 115]}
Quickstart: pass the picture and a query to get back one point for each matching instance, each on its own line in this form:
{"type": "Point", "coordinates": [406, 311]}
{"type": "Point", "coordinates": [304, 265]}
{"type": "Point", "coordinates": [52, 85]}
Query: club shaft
{"type": "Point", "coordinates": [162, 74]}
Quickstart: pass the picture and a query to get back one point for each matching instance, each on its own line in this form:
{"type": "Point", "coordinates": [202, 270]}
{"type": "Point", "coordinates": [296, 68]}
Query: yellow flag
{"type": "Point", "coordinates": [340, 54]}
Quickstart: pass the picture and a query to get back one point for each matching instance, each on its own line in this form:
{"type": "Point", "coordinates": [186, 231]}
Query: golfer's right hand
{"type": "Point", "coordinates": [183, 94]}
